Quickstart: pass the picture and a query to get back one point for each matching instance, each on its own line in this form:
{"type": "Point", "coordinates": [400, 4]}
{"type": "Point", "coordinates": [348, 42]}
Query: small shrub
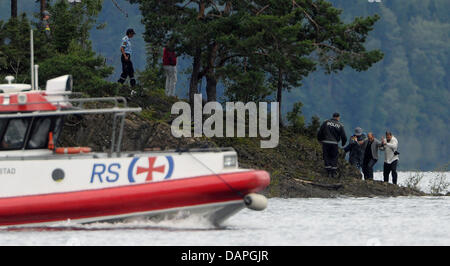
{"type": "Point", "coordinates": [439, 184]}
{"type": "Point", "coordinates": [313, 127]}
{"type": "Point", "coordinates": [296, 119]}
{"type": "Point", "coordinates": [414, 179]}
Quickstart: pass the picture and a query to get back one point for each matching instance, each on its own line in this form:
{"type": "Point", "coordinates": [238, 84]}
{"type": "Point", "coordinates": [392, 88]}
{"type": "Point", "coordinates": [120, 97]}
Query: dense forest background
{"type": "Point", "coordinates": [407, 92]}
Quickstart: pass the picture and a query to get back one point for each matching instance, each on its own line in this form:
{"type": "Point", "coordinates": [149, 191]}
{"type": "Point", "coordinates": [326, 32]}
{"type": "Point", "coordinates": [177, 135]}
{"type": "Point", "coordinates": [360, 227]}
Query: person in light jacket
{"type": "Point", "coordinates": [369, 147]}
{"type": "Point", "coordinates": [390, 146]}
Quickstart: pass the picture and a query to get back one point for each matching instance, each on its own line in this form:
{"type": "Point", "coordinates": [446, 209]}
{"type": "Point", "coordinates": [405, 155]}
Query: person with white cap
{"type": "Point", "coordinates": [353, 148]}
{"type": "Point", "coordinates": [127, 65]}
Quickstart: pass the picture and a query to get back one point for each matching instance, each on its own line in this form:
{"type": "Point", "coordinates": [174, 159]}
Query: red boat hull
{"type": "Point", "coordinates": [119, 201]}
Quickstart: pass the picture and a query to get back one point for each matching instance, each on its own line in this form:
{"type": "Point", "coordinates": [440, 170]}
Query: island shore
{"type": "Point", "coordinates": [295, 166]}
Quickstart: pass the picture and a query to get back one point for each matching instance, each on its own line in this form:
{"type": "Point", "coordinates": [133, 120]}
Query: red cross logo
{"type": "Point", "coordinates": [151, 169]}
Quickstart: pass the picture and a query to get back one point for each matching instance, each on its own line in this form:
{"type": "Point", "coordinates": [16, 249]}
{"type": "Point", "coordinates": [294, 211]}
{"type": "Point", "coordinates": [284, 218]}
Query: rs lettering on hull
{"type": "Point", "coordinates": [140, 169]}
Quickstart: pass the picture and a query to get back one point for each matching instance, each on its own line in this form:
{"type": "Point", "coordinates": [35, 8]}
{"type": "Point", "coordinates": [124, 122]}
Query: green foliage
{"type": "Point", "coordinates": [296, 119]}
{"type": "Point", "coordinates": [254, 47]}
{"type": "Point", "coordinates": [297, 122]}
{"type": "Point", "coordinates": [152, 77]}
{"type": "Point", "coordinates": [72, 22]}
{"type": "Point", "coordinates": [67, 51]}
{"type": "Point", "coordinates": [246, 84]}
{"type": "Point", "coordinates": [155, 104]}
{"type": "Point", "coordinates": [313, 127]}
{"type": "Point", "coordinates": [15, 49]}
{"type": "Point", "coordinates": [87, 69]}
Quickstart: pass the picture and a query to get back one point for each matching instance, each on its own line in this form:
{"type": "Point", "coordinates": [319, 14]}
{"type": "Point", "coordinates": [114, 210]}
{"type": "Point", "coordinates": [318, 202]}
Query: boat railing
{"type": "Point", "coordinates": [130, 154]}
{"type": "Point", "coordinates": [66, 107]}
{"type": "Point", "coordinates": [80, 106]}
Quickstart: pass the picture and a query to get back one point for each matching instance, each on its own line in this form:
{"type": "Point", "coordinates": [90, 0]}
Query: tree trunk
{"type": "Point", "coordinates": [43, 7]}
{"type": "Point", "coordinates": [14, 8]}
{"type": "Point", "coordinates": [279, 94]}
{"type": "Point", "coordinates": [195, 75]}
{"type": "Point", "coordinates": [211, 84]}
{"type": "Point", "coordinates": [211, 79]}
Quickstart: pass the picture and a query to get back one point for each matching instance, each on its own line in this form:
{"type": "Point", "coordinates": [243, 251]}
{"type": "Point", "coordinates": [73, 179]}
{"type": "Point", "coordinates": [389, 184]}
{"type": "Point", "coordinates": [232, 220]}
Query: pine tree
{"type": "Point", "coordinates": [280, 41]}
{"type": "Point", "coordinates": [15, 47]}
{"type": "Point", "coordinates": [68, 51]}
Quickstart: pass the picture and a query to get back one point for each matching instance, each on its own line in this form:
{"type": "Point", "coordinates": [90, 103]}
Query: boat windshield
{"type": "Point", "coordinates": [39, 133]}
{"type": "Point", "coordinates": [14, 136]}
{"type": "Point", "coordinates": [3, 123]}
{"type": "Point", "coordinates": [29, 133]}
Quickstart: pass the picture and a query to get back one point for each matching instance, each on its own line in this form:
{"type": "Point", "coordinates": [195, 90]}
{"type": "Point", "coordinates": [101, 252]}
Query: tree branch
{"type": "Point", "coordinates": [215, 7]}
{"type": "Point", "coordinates": [334, 48]}
{"type": "Point", "coordinates": [261, 10]}
{"type": "Point", "coordinates": [306, 14]}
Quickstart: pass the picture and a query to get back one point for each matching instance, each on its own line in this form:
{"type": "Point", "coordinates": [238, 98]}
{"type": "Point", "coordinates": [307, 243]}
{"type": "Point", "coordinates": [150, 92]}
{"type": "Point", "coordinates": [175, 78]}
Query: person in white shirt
{"type": "Point", "coordinates": [390, 146]}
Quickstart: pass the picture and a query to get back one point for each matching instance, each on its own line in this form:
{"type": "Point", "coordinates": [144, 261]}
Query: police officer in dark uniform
{"type": "Point", "coordinates": [330, 133]}
{"type": "Point", "coordinates": [127, 65]}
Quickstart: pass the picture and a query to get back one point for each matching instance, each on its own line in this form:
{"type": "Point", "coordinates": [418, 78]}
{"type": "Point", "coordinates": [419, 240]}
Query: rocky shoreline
{"type": "Point", "coordinates": [295, 165]}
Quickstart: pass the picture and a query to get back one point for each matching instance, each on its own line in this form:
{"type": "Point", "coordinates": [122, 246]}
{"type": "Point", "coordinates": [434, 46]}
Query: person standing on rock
{"type": "Point", "coordinates": [390, 146]}
{"type": "Point", "coordinates": [370, 147]}
{"type": "Point", "coordinates": [355, 152]}
{"type": "Point", "coordinates": [127, 65]}
{"type": "Point", "coordinates": [170, 67]}
{"type": "Point", "coordinates": [330, 133]}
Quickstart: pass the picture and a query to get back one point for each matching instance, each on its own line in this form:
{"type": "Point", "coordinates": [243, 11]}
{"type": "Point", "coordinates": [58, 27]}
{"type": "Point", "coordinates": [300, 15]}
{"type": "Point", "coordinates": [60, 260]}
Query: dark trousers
{"type": "Point", "coordinates": [387, 169]}
{"type": "Point", "coordinates": [355, 162]}
{"type": "Point", "coordinates": [127, 70]}
{"type": "Point", "coordinates": [330, 157]}
{"type": "Point", "coordinates": [367, 169]}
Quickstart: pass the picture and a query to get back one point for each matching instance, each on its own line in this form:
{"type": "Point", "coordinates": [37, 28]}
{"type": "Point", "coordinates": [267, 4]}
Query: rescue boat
{"type": "Point", "coordinates": [42, 184]}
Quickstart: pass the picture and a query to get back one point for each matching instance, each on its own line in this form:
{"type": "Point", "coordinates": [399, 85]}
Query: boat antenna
{"type": "Point", "coordinates": [32, 59]}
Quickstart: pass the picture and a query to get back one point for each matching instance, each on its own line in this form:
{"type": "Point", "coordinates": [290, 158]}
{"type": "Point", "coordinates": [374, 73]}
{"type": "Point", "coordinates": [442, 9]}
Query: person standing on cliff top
{"type": "Point", "coordinates": [170, 67]}
{"type": "Point", "coordinates": [330, 133]}
{"type": "Point", "coordinates": [127, 65]}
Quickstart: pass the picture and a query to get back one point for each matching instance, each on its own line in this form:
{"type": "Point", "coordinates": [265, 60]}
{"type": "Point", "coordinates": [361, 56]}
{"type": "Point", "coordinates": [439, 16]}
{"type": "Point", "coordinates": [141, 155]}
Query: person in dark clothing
{"type": "Point", "coordinates": [330, 133]}
{"type": "Point", "coordinates": [45, 23]}
{"type": "Point", "coordinates": [127, 65]}
{"type": "Point", "coordinates": [370, 147]}
{"type": "Point", "coordinates": [355, 152]}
